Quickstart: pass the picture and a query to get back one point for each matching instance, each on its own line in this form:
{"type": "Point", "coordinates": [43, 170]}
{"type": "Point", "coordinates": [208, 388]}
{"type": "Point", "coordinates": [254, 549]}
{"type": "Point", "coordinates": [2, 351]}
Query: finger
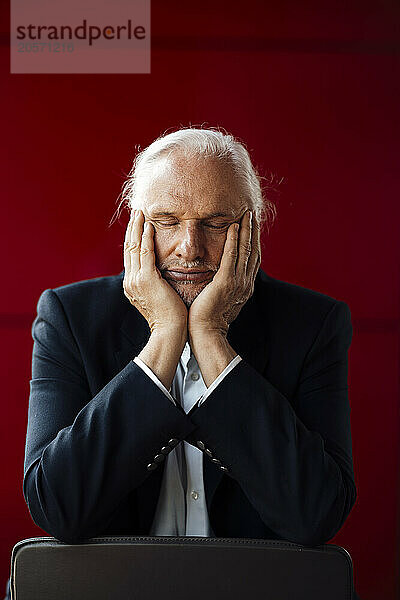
{"type": "Point", "coordinates": [128, 233]}
{"type": "Point", "coordinates": [229, 256]}
{"type": "Point", "coordinates": [255, 256]}
{"type": "Point", "coordinates": [244, 244]}
{"type": "Point", "coordinates": [135, 241]}
{"type": "Point", "coordinates": [147, 256]}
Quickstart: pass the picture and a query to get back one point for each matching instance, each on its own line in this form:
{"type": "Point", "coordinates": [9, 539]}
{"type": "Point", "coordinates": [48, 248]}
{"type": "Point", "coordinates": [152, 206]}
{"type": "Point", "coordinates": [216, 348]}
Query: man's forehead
{"type": "Point", "coordinates": [200, 187]}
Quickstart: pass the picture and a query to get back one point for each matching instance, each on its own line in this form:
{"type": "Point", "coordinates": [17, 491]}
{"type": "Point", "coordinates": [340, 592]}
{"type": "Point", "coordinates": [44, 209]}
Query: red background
{"type": "Point", "coordinates": [313, 90]}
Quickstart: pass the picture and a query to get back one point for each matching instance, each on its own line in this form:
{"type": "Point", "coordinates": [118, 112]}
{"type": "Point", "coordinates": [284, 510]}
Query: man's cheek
{"type": "Point", "coordinates": [215, 246]}
{"type": "Point", "coordinates": [161, 245]}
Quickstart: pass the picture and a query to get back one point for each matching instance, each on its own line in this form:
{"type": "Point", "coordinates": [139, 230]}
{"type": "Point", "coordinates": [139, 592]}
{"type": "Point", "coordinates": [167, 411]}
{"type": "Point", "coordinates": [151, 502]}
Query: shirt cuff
{"type": "Point", "coordinates": [154, 378]}
{"type": "Point", "coordinates": [220, 377]}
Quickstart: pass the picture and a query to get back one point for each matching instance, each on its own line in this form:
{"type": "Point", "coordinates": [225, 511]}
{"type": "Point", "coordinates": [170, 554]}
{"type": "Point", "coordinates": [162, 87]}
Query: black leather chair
{"type": "Point", "coordinates": [194, 568]}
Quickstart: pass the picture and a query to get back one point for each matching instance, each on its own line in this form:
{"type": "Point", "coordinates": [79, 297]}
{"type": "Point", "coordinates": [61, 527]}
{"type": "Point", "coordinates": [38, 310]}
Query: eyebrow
{"type": "Point", "coordinates": [166, 213]}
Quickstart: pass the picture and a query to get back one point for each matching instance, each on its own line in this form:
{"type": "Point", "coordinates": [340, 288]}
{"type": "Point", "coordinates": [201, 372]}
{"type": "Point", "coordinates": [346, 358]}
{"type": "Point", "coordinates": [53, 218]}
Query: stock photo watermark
{"type": "Point", "coordinates": [95, 36]}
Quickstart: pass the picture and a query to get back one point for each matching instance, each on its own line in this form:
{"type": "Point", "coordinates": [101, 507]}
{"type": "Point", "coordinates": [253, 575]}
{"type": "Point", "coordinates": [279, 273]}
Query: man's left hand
{"type": "Point", "coordinates": [221, 300]}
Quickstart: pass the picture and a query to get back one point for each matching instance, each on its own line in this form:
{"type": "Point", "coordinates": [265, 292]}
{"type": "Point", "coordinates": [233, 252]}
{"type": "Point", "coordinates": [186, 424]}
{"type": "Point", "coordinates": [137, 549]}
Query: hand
{"type": "Point", "coordinates": [143, 284]}
{"type": "Point", "coordinates": [222, 299]}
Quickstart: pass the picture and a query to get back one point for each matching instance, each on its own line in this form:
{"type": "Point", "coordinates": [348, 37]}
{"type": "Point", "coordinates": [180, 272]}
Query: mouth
{"type": "Point", "coordinates": [188, 275]}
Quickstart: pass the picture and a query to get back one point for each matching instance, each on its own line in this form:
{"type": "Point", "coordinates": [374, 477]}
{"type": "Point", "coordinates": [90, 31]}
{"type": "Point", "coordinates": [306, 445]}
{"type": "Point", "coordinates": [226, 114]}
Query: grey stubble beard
{"type": "Point", "coordinates": [184, 292]}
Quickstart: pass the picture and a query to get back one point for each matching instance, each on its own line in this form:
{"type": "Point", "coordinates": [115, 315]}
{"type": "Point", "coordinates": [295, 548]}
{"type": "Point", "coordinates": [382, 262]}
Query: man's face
{"type": "Point", "coordinates": [191, 208]}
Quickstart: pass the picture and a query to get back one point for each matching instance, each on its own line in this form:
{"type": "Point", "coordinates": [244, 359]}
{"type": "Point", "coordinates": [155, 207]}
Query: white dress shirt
{"type": "Point", "coordinates": [182, 508]}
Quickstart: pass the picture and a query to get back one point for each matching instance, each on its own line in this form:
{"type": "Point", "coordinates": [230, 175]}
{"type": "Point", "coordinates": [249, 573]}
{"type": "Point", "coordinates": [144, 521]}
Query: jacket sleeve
{"type": "Point", "coordinates": [294, 465]}
{"type": "Point", "coordinates": [84, 455]}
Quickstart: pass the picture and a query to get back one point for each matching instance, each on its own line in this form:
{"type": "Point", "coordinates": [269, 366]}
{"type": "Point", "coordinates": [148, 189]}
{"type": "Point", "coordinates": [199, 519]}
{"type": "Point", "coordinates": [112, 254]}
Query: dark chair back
{"type": "Point", "coordinates": [175, 568]}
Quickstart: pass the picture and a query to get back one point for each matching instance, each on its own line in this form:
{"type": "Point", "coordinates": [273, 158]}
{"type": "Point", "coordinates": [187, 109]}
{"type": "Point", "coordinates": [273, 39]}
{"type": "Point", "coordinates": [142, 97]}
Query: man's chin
{"type": "Point", "coordinates": [188, 291]}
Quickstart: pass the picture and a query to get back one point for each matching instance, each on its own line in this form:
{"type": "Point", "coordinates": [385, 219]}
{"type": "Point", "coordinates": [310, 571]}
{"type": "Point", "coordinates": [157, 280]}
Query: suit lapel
{"type": "Point", "coordinates": [247, 333]}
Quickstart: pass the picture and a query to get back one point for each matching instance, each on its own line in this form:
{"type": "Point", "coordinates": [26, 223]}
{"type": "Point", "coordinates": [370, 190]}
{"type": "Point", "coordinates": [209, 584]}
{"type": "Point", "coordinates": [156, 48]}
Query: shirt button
{"type": "Point", "coordinates": [194, 495]}
{"type": "Point", "coordinates": [194, 376]}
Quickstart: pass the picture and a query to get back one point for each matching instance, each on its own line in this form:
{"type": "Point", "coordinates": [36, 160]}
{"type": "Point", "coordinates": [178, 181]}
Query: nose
{"type": "Point", "coordinates": [190, 243]}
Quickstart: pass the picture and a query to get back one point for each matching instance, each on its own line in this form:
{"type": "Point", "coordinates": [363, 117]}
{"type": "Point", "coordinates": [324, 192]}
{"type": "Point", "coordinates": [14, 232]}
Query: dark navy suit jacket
{"type": "Point", "coordinates": [279, 421]}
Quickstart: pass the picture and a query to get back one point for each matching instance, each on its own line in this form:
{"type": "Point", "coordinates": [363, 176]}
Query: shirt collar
{"type": "Point", "coordinates": [186, 354]}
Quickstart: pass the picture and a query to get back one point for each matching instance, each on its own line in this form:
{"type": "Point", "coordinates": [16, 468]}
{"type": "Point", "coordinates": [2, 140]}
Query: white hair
{"type": "Point", "coordinates": [193, 142]}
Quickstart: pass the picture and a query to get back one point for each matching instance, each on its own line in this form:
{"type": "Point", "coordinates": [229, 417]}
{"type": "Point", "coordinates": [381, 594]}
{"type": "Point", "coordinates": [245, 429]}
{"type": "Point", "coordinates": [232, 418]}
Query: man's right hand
{"type": "Point", "coordinates": [143, 284]}
{"type": "Point", "coordinates": [155, 299]}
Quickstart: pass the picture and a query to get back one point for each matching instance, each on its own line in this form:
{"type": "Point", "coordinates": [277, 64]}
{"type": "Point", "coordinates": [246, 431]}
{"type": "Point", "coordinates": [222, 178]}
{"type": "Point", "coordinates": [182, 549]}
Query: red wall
{"type": "Point", "coordinates": [313, 89]}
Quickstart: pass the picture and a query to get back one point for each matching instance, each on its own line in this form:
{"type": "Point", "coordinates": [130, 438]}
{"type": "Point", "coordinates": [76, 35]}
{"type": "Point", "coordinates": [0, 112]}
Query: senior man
{"type": "Point", "coordinates": [192, 394]}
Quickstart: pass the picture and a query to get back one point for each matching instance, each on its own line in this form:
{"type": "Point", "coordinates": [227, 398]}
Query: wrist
{"type": "Point", "coordinates": [212, 351]}
{"type": "Point", "coordinates": [175, 334]}
{"type": "Point", "coordinates": [173, 326]}
{"type": "Point", "coordinates": [207, 338]}
{"type": "Point", "coordinates": [162, 352]}
{"type": "Point", "coordinates": [207, 330]}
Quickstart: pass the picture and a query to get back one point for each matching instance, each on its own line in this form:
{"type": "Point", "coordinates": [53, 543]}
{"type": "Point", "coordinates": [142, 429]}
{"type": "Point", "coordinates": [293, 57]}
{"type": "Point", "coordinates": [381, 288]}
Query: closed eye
{"type": "Point", "coordinates": [166, 223]}
{"type": "Point", "coordinates": [214, 226]}
{"type": "Point", "coordinates": [211, 226]}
